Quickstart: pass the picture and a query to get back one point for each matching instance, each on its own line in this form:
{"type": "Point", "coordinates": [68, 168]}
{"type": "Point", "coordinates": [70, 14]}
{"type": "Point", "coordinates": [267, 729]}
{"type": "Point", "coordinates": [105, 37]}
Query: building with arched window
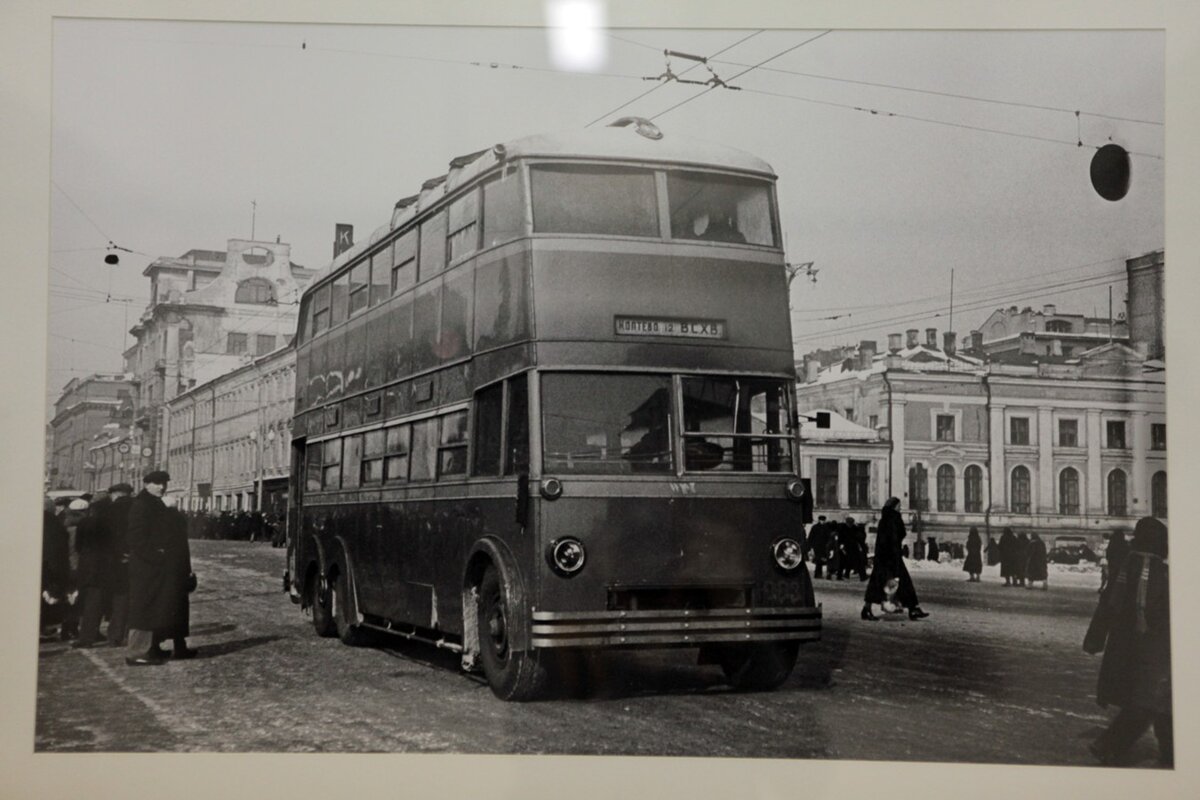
{"type": "Point", "coordinates": [1065, 444]}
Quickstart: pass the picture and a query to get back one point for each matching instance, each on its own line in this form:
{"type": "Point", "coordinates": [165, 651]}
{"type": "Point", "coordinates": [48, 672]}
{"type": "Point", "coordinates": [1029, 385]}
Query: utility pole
{"type": "Point", "coordinates": [253, 217]}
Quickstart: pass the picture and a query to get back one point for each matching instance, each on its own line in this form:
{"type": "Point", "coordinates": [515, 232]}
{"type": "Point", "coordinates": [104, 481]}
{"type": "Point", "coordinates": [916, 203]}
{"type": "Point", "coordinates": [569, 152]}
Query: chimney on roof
{"type": "Point", "coordinates": [866, 354]}
{"type": "Point", "coordinates": [1049, 310]}
{"type": "Point", "coordinates": [950, 342]}
{"type": "Point", "coordinates": [812, 369]}
{"type": "Point", "coordinates": [911, 337]}
{"type": "Point", "coordinates": [1012, 309]}
{"type": "Point", "coordinates": [976, 341]}
{"type": "Point", "coordinates": [894, 342]}
{"type": "Point", "coordinates": [931, 338]}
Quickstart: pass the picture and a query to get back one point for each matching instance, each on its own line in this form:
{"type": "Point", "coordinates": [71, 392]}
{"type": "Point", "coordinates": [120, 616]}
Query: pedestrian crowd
{"type": "Point", "coordinates": [249, 526]}
{"type": "Point", "coordinates": [1131, 624]}
{"type": "Point", "coordinates": [122, 558]}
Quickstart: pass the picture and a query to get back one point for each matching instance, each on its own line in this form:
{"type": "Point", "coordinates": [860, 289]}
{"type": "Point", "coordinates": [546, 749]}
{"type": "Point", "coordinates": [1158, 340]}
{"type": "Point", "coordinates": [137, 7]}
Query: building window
{"type": "Point", "coordinates": [827, 483]}
{"type": "Point", "coordinates": [255, 290]}
{"type": "Point", "coordinates": [264, 343]}
{"type": "Point", "coordinates": [945, 488]}
{"type": "Point", "coordinates": [945, 427]}
{"type": "Point", "coordinates": [1068, 433]}
{"type": "Point", "coordinates": [873, 421]}
{"type": "Point", "coordinates": [1018, 430]}
{"type": "Point", "coordinates": [1158, 436]}
{"type": "Point", "coordinates": [1068, 491]}
{"type": "Point", "coordinates": [1117, 506]}
{"type": "Point", "coordinates": [1158, 495]}
{"type": "Point", "coordinates": [860, 484]}
{"type": "Point", "coordinates": [1115, 429]}
{"type": "Point", "coordinates": [236, 344]}
{"type": "Point", "coordinates": [918, 488]}
{"type": "Point", "coordinates": [1020, 488]}
{"type": "Point", "coordinates": [973, 489]}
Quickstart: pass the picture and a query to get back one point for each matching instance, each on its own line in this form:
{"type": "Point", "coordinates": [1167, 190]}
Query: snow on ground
{"type": "Point", "coordinates": [1082, 575]}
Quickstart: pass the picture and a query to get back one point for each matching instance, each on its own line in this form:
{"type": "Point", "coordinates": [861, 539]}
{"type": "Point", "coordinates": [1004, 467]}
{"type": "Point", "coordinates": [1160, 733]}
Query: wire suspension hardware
{"type": "Point", "coordinates": [668, 74]}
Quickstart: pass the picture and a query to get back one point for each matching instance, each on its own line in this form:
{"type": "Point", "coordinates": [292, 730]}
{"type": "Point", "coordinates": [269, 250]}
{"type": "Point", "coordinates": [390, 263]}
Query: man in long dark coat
{"type": "Point", "coordinates": [149, 598]}
{"type": "Point", "coordinates": [889, 565]}
{"type": "Point", "coordinates": [818, 542]}
{"type": "Point", "coordinates": [1036, 568]}
{"type": "Point", "coordinates": [115, 520]}
{"type": "Point", "coordinates": [179, 580]}
{"type": "Point", "coordinates": [1008, 557]}
{"type": "Point", "coordinates": [56, 567]}
{"type": "Point", "coordinates": [1132, 626]}
{"type": "Point", "coordinates": [1021, 559]}
{"type": "Point", "coordinates": [92, 549]}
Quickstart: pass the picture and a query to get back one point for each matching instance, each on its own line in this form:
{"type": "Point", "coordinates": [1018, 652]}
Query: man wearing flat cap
{"type": "Point", "coordinates": [148, 586]}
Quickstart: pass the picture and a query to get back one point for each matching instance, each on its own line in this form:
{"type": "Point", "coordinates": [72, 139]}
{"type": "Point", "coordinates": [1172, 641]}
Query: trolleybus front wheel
{"type": "Point", "coordinates": [513, 674]}
{"type": "Point", "coordinates": [758, 667]}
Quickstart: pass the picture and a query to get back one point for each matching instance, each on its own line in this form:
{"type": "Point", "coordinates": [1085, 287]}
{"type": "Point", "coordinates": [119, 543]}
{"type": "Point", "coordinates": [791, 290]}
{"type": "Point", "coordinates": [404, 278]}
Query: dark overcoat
{"type": "Point", "coordinates": [56, 556]}
{"type": "Point", "coordinates": [115, 519]}
{"type": "Point", "coordinates": [177, 567]}
{"type": "Point", "coordinates": [1134, 609]}
{"type": "Point", "coordinates": [973, 563]}
{"type": "Point", "coordinates": [150, 604]}
{"type": "Point", "coordinates": [1008, 555]}
{"type": "Point", "coordinates": [1035, 565]}
{"type": "Point", "coordinates": [889, 563]}
{"type": "Point", "coordinates": [92, 548]}
{"type": "Point", "coordinates": [1021, 556]}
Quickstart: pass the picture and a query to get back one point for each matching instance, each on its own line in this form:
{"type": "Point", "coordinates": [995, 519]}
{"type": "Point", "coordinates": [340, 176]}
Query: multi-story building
{"type": "Point", "coordinates": [84, 408]}
{"type": "Point", "coordinates": [846, 465]}
{"type": "Point", "coordinates": [1065, 444]}
{"type": "Point", "coordinates": [210, 312]}
{"type": "Point", "coordinates": [228, 438]}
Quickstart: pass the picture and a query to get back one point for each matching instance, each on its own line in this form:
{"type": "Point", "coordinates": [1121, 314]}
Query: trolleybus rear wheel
{"type": "Point", "coordinates": [758, 667]}
{"type": "Point", "coordinates": [343, 614]}
{"type": "Point", "coordinates": [513, 674]}
{"type": "Point", "coordinates": [318, 601]}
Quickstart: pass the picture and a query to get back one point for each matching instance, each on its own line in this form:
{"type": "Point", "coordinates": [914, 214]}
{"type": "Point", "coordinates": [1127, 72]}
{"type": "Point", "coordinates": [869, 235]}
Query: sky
{"type": "Point", "coordinates": [901, 155]}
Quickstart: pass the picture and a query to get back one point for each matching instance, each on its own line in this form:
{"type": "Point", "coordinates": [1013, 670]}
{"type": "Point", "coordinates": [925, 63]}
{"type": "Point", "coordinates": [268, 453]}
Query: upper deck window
{"type": "Point", "coordinates": [503, 208]}
{"type": "Point", "coordinates": [619, 201]}
{"type": "Point", "coordinates": [463, 230]}
{"type": "Point", "coordinates": [720, 208]}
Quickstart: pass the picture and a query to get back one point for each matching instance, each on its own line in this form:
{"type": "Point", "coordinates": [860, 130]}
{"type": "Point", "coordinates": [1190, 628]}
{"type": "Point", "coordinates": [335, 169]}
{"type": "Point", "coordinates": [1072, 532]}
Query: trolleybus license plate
{"type": "Point", "coordinates": [683, 328]}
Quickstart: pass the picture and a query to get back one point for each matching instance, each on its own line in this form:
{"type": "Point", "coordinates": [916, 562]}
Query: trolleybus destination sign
{"type": "Point", "coordinates": [684, 328]}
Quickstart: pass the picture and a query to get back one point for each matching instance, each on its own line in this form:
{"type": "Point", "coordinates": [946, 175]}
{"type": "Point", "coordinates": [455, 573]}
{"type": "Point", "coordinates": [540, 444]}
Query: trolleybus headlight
{"type": "Point", "coordinates": [566, 555]}
{"type": "Point", "coordinates": [795, 489]}
{"type": "Point", "coordinates": [788, 553]}
{"type": "Point", "coordinates": [551, 488]}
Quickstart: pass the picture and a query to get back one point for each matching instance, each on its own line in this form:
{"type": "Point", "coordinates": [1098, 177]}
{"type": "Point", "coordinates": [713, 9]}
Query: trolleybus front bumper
{"type": "Point", "coordinates": [664, 628]}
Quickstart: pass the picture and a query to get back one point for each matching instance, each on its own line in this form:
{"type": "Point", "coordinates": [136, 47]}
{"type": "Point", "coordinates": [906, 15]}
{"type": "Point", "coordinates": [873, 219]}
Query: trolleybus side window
{"type": "Point", "coordinates": [736, 424]}
{"type": "Point", "coordinates": [452, 446]}
{"type": "Point", "coordinates": [422, 460]}
{"type": "Point", "coordinates": [433, 246]}
{"type": "Point", "coordinates": [396, 454]}
{"type": "Point", "coordinates": [372, 457]}
{"type": "Point", "coordinates": [404, 262]}
{"type": "Point", "coordinates": [352, 447]}
{"type": "Point", "coordinates": [620, 201]}
{"type": "Point", "coordinates": [340, 299]}
{"type": "Point", "coordinates": [720, 208]}
{"type": "Point", "coordinates": [606, 423]}
{"type": "Point", "coordinates": [381, 268]}
{"type": "Point", "coordinates": [517, 428]}
{"type": "Point", "coordinates": [320, 310]}
{"type": "Point", "coordinates": [331, 464]}
{"type": "Point", "coordinates": [489, 408]}
{"type": "Point", "coordinates": [360, 279]}
{"type": "Point", "coordinates": [462, 234]}
{"type": "Point", "coordinates": [312, 468]}
{"type": "Point", "coordinates": [503, 211]}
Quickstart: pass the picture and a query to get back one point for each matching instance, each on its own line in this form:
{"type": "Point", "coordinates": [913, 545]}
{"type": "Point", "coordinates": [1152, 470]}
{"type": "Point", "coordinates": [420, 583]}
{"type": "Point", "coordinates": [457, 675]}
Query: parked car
{"type": "Point", "coordinates": [1072, 550]}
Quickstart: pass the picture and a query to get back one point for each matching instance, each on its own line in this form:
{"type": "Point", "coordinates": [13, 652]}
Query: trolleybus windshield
{"type": "Point", "coordinates": [615, 424]}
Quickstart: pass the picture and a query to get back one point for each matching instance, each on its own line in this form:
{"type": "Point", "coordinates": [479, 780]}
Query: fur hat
{"type": "Point", "coordinates": [156, 476]}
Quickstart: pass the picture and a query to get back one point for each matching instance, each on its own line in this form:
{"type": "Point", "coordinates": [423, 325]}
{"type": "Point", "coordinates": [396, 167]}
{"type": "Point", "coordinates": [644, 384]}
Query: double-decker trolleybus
{"type": "Point", "coordinates": [550, 407]}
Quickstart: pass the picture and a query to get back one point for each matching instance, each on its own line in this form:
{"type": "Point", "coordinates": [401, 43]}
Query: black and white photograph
{"type": "Point", "coordinates": [778, 393]}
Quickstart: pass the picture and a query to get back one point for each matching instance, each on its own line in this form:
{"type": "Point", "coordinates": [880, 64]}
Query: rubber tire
{"type": "Point", "coordinates": [758, 667]}
{"type": "Point", "coordinates": [513, 675]}
{"type": "Point", "coordinates": [323, 622]}
{"type": "Point", "coordinates": [347, 626]}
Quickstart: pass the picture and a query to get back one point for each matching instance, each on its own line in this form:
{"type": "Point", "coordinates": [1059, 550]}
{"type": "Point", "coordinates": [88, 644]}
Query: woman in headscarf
{"type": "Point", "coordinates": [1132, 625]}
{"type": "Point", "coordinates": [1035, 563]}
{"type": "Point", "coordinates": [973, 564]}
{"type": "Point", "coordinates": [889, 565]}
{"type": "Point", "coordinates": [1008, 556]}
